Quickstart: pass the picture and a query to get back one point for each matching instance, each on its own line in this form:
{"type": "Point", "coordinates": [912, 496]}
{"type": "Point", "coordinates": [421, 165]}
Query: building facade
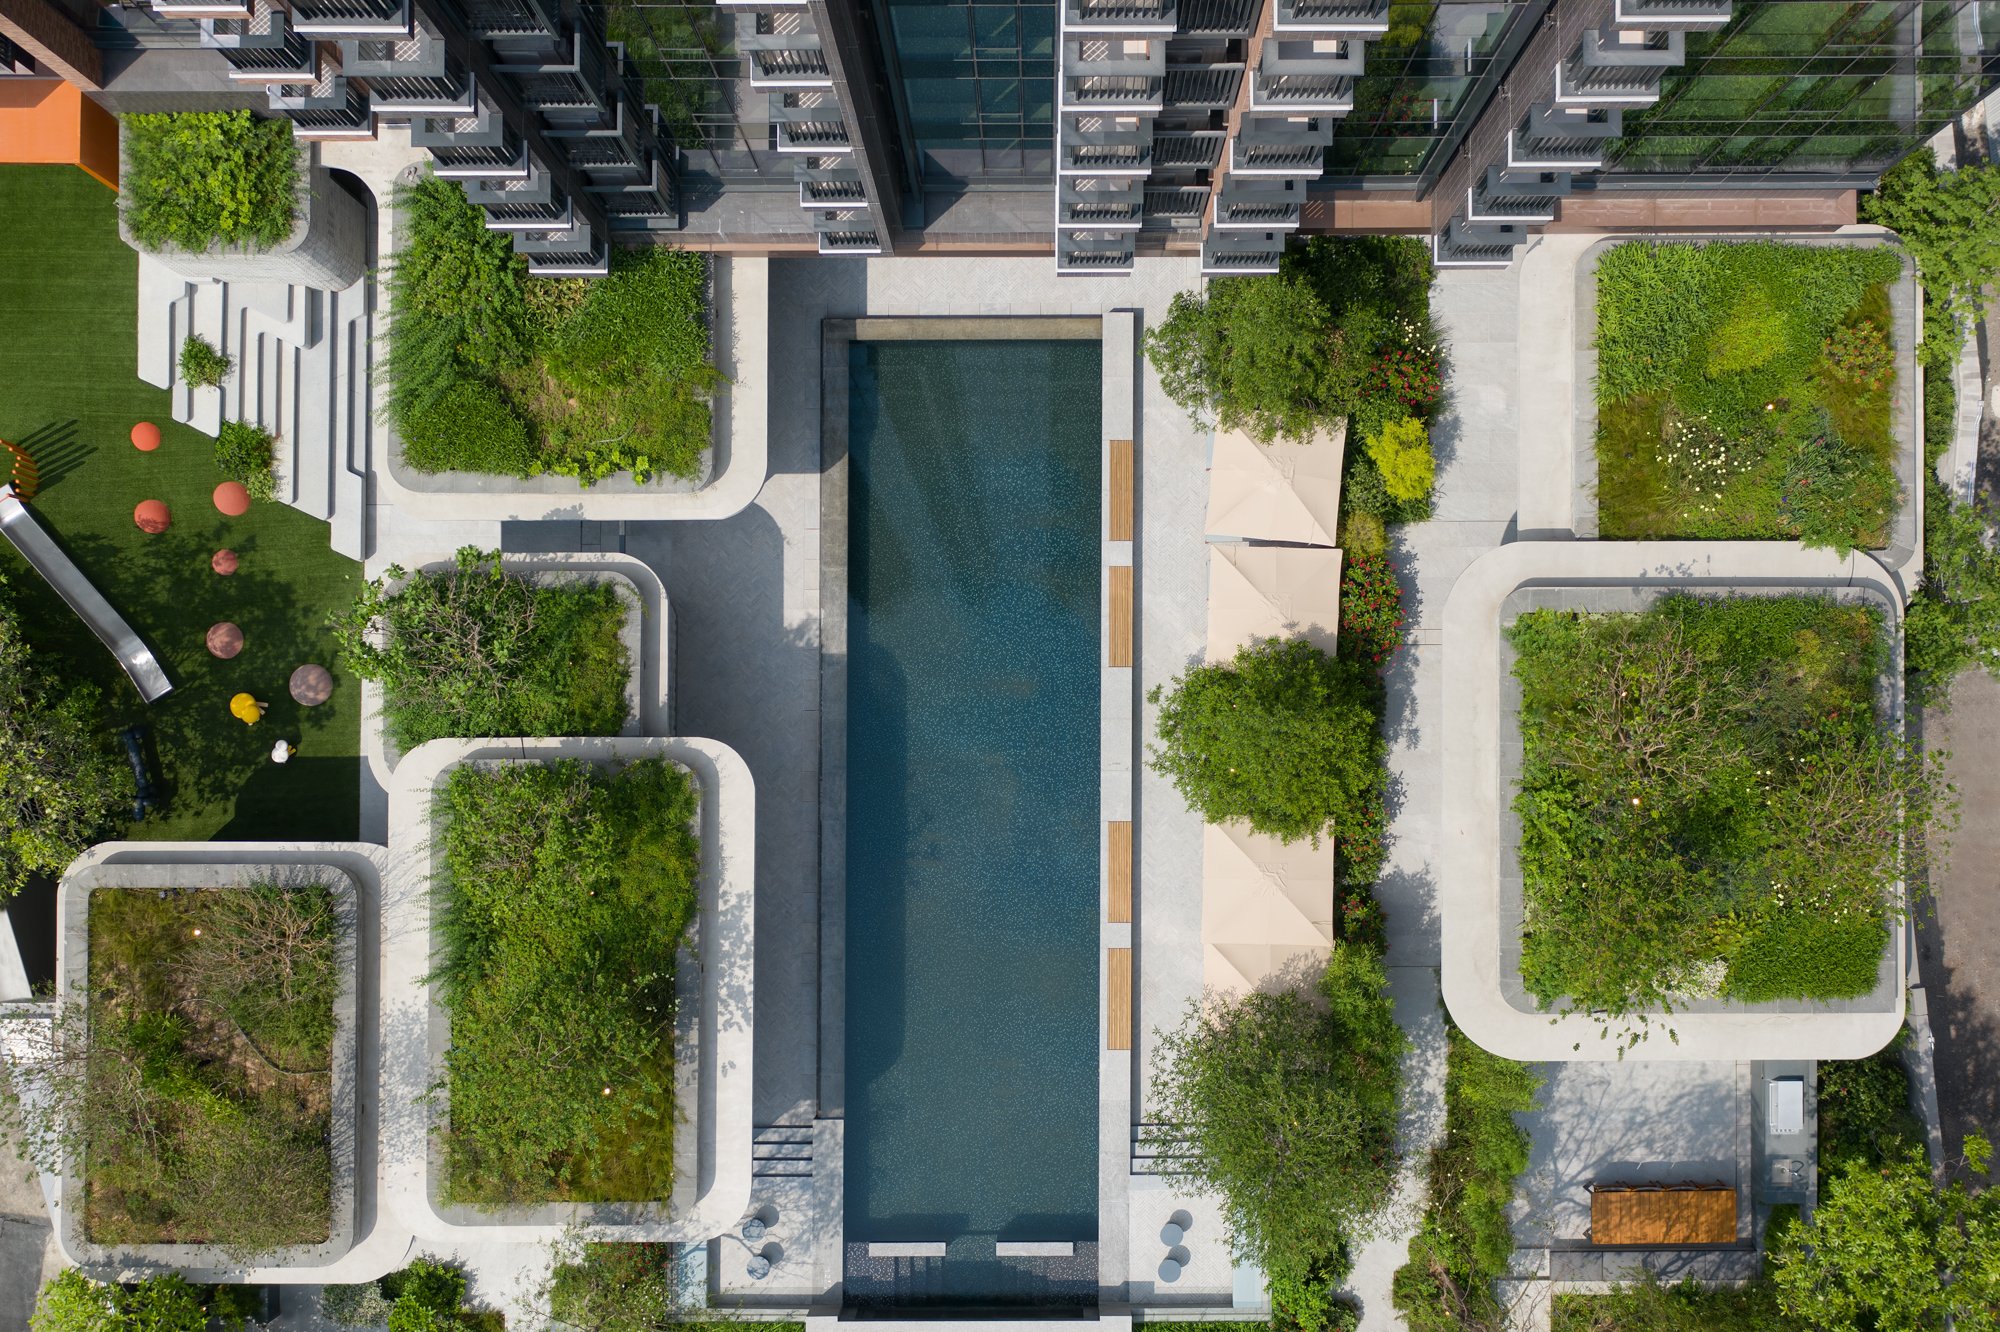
{"type": "Point", "coordinates": [1098, 130]}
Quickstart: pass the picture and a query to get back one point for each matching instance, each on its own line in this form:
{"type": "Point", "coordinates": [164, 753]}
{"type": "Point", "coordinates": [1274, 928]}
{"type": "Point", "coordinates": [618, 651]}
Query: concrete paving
{"type": "Point", "coordinates": [1960, 944]}
{"type": "Point", "coordinates": [28, 1254]}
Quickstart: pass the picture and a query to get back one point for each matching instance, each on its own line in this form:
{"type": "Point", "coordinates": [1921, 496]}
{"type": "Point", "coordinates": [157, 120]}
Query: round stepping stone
{"type": "Point", "coordinates": [232, 499]}
{"type": "Point", "coordinates": [225, 640]}
{"type": "Point", "coordinates": [311, 685]}
{"type": "Point", "coordinates": [223, 562]}
{"type": "Point", "coordinates": [145, 437]}
{"type": "Point", "coordinates": [152, 516]}
{"type": "Point", "coordinates": [1170, 1271]}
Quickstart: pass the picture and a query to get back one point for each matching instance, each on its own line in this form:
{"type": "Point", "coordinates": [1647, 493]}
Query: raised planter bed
{"type": "Point", "coordinates": [714, 1032]}
{"type": "Point", "coordinates": [347, 872]}
{"type": "Point", "coordinates": [1480, 886]}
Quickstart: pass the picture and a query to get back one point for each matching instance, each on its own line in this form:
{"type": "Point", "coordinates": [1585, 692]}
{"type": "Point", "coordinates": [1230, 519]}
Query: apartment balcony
{"type": "Point", "coordinates": [531, 203]}
{"type": "Point", "coordinates": [498, 20]}
{"type": "Point", "coordinates": [351, 18]}
{"type": "Point", "coordinates": [1112, 146]}
{"type": "Point", "coordinates": [239, 10]}
{"type": "Point", "coordinates": [1694, 15]}
{"type": "Point", "coordinates": [330, 107]}
{"type": "Point", "coordinates": [1109, 17]}
{"type": "Point", "coordinates": [478, 146]}
{"type": "Point", "coordinates": [572, 251]}
{"type": "Point", "coordinates": [1466, 245]}
{"type": "Point", "coordinates": [622, 146]}
{"type": "Point", "coordinates": [1281, 146]}
{"type": "Point", "coordinates": [1113, 75]}
{"type": "Point", "coordinates": [571, 80]}
{"type": "Point", "coordinates": [1091, 204]}
{"type": "Point", "coordinates": [850, 231]}
{"type": "Point", "coordinates": [261, 48]}
{"type": "Point", "coordinates": [1622, 68]}
{"type": "Point", "coordinates": [1315, 75]}
{"type": "Point", "coordinates": [409, 75]}
{"type": "Point", "coordinates": [810, 122]}
{"type": "Point", "coordinates": [830, 186]}
{"type": "Point", "coordinates": [1219, 18]}
{"type": "Point", "coordinates": [1188, 150]}
{"type": "Point", "coordinates": [782, 50]}
{"type": "Point", "coordinates": [1332, 94]}
{"type": "Point", "coordinates": [650, 203]}
{"type": "Point", "coordinates": [1259, 204]}
{"type": "Point", "coordinates": [1094, 253]}
{"type": "Point", "coordinates": [1552, 139]}
{"type": "Point", "coordinates": [1202, 87]}
{"type": "Point", "coordinates": [1516, 196]}
{"type": "Point", "coordinates": [1176, 207]}
{"type": "Point", "coordinates": [1362, 18]}
{"type": "Point", "coordinates": [1241, 253]}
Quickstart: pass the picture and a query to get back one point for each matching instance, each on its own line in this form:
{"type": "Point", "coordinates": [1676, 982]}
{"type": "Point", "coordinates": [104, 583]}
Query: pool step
{"type": "Point", "coordinates": [782, 1151]}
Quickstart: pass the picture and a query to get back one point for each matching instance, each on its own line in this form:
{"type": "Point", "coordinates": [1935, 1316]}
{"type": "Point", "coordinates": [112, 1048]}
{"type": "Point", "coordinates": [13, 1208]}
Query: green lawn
{"type": "Point", "coordinates": [70, 395]}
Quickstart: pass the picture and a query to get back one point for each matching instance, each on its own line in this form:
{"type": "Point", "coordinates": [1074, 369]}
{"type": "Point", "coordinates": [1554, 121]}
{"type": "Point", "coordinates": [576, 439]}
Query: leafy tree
{"type": "Point", "coordinates": [72, 1302]}
{"type": "Point", "coordinates": [1402, 450]}
{"type": "Point", "coordinates": [1283, 1104]}
{"type": "Point", "coordinates": [1283, 737]}
{"type": "Point", "coordinates": [1887, 1251]}
{"type": "Point", "coordinates": [1250, 354]}
{"type": "Point", "coordinates": [1954, 620]}
{"type": "Point", "coordinates": [1949, 220]}
{"type": "Point", "coordinates": [61, 783]}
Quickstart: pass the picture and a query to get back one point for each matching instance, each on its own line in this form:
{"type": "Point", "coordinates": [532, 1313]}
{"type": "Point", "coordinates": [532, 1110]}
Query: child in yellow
{"type": "Point", "coordinates": [247, 709]}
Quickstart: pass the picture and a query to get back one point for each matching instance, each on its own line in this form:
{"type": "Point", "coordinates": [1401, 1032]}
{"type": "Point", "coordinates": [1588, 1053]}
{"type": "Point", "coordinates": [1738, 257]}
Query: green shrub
{"type": "Point", "coordinates": [1402, 451]}
{"type": "Point", "coordinates": [245, 453]}
{"type": "Point", "coordinates": [233, 1306]}
{"type": "Point", "coordinates": [563, 898]}
{"type": "Point", "coordinates": [428, 1283]}
{"type": "Point", "coordinates": [1708, 803]}
{"type": "Point", "coordinates": [202, 366]}
{"type": "Point", "coordinates": [1371, 608]}
{"type": "Point", "coordinates": [1362, 533]}
{"type": "Point", "coordinates": [359, 1305]}
{"type": "Point", "coordinates": [471, 428]}
{"type": "Point", "coordinates": [599, 1287]}
{"type": "Point", "coordinates": [455, 293]}
{"type": "Point", "coordinates": [1860, 354]}
{"type": "Point", "coordinates": [475, 650]}
{"type": "Point", "coordinates": [1284, 1104]}
{"type": "Point", "coordinates": [1464, 1241]}
{"type": "Point", "coordinates": [1283, 737]}
{"type": "Point", "coordinates": [1755, 332]}
{"type": "Point", "coordinates": [194, 178]}
{"type": "Point", "coordinates": [1864, 1109]}
{"type": "Point", "coordinates": [1651, 1306]}
{"type": "Point", "coordinates": [1940, 415]}
{"type": "Point", "coordinates": [72, 1302]}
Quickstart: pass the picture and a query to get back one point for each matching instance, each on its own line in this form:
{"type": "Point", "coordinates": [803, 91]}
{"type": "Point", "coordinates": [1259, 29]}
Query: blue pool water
{"type": "Point", "coordinates": [972, 813]}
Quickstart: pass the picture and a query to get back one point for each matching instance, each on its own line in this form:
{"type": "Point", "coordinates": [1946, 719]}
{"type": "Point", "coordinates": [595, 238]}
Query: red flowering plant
{"type": "Point", "coordinates": [1410, 376]}
{"type": "Point", "coordinates": [1371, 608]}
{"type": "Point", "coordinates": [1360, 845]}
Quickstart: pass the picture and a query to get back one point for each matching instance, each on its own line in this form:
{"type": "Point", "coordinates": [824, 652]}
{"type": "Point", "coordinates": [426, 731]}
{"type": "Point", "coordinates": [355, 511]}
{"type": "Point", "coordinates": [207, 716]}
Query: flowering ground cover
{"type": "Point", "coordinates": [1745, 391]}
{"type": "Point", "coordinates": [1709, 803]}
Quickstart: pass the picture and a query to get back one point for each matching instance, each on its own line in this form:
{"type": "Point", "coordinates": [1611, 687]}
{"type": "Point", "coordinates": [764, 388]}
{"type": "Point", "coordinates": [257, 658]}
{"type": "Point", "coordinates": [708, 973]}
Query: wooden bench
{"type": "Point", "coordinates": [1664, 1215]}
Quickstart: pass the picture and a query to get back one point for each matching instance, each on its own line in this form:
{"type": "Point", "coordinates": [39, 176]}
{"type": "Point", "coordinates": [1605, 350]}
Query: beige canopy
{"type": "Point", "coordinates": [1287, 491]}
{"type": "Point", "coordinates": [1266, 908]}
{"type": "Point", "coordinates": [1259, 592]}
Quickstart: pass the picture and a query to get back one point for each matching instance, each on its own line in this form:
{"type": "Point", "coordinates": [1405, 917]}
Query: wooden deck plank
{"type": "Point", "coordinates": [1121, 615]}
{"type": "Point", "coordinates": [1118, 856]}
{"type": "Point", "coordinates": [1118, 998]}
{"type": "Point", "coordinates": [1121, 490]}
{"type": "Point", "coordinates": [1671, 1216]}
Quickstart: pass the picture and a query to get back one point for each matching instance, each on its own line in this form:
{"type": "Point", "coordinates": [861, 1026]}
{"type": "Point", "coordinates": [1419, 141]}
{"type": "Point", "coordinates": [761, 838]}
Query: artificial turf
{"type": "Point", "coordinates": [70, 395]}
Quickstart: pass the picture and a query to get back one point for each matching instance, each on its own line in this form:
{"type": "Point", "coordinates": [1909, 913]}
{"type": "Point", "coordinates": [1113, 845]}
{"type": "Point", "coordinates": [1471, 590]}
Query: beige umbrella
{"type": "Point", "coordinates": [1259, 592]}
{"type": "Point", "coordinates": [1266, 908]}
{"type": "Point", "coordinates": [1287, 491]}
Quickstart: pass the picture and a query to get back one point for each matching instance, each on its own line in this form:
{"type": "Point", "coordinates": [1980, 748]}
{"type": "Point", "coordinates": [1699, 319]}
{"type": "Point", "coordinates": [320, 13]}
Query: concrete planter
{"type": "Point", "coordinates": [1904, 552]}
{"type": "Point", "coordinates": [327, 248]}
{"type": "Point", "coordinates": [647, 636]}
{"type": "Point", "coordinates": [1480, 894]}
{"type": "Point", "coordinates": [715, 1034]}
{"type": "Point", "coordinates": [347, 870]}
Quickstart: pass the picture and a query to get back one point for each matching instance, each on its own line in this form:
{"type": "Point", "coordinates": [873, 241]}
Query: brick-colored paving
{"type": "Point", "coordinates": [1960, 957]}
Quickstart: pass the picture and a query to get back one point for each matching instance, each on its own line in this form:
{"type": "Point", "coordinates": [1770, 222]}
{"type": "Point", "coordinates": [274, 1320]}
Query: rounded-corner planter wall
{"type": "Point", "coordinates": [328, 247]}
{"type": "Point", "coordinates": [1479, 892]}
{"type": "Point", "coordinates": [1903, 555]}
{"type": "Point", "coordinates": [352, 871]}
{"type": "Point", "coordinates": [715, 1036]}
{"type": "Point", "coordinates": [733, 470]}
{"type": "Point", "coordinates": [647, 635]}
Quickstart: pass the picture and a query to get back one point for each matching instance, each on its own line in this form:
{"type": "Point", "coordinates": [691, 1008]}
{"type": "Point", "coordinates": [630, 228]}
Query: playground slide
{"type": "Point", "coordinates": [83, 598]}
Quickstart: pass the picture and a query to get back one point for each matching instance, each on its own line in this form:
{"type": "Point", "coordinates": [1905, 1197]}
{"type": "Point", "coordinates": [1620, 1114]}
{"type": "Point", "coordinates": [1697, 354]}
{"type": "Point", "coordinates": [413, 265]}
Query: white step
{"type": "Point", "coordinates": [353, 444]}
{"type": "Point", "coordinates": [160, 289]}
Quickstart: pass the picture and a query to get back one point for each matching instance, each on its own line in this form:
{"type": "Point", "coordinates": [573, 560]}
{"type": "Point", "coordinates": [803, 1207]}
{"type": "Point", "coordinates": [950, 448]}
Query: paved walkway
{"type": "Point", "coordinates": [1960, 948]}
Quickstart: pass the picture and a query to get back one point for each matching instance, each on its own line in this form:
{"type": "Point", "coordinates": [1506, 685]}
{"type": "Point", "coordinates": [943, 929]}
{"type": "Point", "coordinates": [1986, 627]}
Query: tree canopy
{"type": "Point", "coordinates": [1284, 1105]}
{"type": "Point", "coordinates": [1283, 737]}
{"type": "Point", "coordinates": [1950, 220]}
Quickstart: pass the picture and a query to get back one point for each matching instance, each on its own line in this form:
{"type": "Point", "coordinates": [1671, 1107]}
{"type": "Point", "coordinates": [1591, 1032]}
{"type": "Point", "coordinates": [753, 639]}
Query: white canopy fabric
{"type": "Point", "coordinates": [1287, 491]}
{"type": "Point", "coordinates": [1266, 908]}
{"type": "Point", "coordinates": [1259, 592]}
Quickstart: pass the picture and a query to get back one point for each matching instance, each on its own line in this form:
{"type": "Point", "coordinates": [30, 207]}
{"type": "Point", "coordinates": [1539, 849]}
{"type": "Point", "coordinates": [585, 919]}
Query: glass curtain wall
{"type": "Point", "coordinates": [1417, 79]}
{"type": "Point", "coordinates": [1820, 91]}
{"type": "Point", "coordinates": [974, 87]}
{"type": "Point", "coordinates": [684, 54]}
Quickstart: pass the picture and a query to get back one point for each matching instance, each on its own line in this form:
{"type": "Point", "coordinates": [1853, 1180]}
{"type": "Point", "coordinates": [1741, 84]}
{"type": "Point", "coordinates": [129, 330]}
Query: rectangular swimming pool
{"type": "Point", "coordinates": [972, 816]}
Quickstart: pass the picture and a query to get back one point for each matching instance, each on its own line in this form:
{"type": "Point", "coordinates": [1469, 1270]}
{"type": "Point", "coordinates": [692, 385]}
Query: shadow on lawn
{"type": "Point", "coordinates": [57, 450]}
